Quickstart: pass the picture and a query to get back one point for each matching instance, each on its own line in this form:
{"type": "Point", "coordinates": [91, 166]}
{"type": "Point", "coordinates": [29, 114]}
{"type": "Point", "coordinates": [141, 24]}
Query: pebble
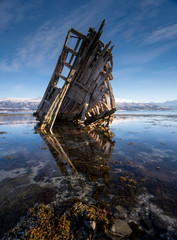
{"type": "Point", "coordinates": [121, 212]}
{"type": "Point", "coordinates": [90, 224]}
{"type": "Point", "coordinates": [120, 228]}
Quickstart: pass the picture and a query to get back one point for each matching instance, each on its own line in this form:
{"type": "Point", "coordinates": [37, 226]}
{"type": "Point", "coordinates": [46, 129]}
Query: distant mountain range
{"type": "Point", "coordinates": [19, 104]}
{"type": "Point", "coordinates": [31, 104]}
{"type": "Point", "coordinates": [135, 106]}
{"type": "Point", "coordinates": [170, 104]}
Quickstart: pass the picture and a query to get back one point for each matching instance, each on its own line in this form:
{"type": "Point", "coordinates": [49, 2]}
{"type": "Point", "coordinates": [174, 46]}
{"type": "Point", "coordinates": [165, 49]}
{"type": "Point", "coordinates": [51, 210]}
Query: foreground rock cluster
{"type": "Point", "coordinates": [78, 221]}
{"type": "Point", "coordinates": [74, 219]}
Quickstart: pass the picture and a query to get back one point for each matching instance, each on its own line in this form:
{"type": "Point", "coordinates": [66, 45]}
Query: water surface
{"type": "Point", "coordinates": [134, 168]}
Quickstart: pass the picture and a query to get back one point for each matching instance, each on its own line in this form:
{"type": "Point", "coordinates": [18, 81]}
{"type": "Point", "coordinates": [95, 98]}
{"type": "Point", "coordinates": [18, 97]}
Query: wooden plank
{"type": "Point", "coordinates": [52, 140]}
{"type": "Point", "coordinates": [75, 49]}
{"type": "Point", "coordinates": [53, 79]}
{"type": "Point", "coordinates": [65, 88]}
{"type": "Point", "coordinates": [112, 100]}
{"type": "Point", "coordinates": [61, 76]}
{"type": "Point", "coordinates": [79, 34]}
{"type": "Point", "coordinates": [76, 94]}
{"type": "Point", "coordinates": [86, 104]}
{"type": "Point", "coordinates": [67, 64]}
{"type": "Point", "coordinates": [68, 49]}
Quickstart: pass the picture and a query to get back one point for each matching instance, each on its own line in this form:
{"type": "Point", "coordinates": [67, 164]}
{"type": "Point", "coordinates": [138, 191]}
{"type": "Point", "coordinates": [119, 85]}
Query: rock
{"type": "Point", "coordinates": [138, 232]}
{"type": "Point", "coordinates": [91, 225]}
{"type": "Point", "coordinates": [145, 222]}
{"type": "Point", "coordinates": [159, 223]}
{"type": "Point", "coordinates": [119, 208]}
{"type": "Point", "coordinates": [121, 212]}
{"type": "Point", "coordinates": [120, 228]}
{"type": "Point", "coordinates": [149, 236]}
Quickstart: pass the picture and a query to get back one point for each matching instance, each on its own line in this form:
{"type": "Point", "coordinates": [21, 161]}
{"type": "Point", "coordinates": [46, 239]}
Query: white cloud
{"type": "Point", "coordinates": [142, 57]}
{"type": "Point", "coordinates": [9, 67]}
{"type": "Point", "coordinates": [130, 24]}
{"type": "Point", "coordinates": [39, 46]}
{"type": "Point", "coordinates": [150, 3]}
{"type": "Point", "coordinates": [11, 12]}
{"type": "Point", "coordinates": [14, 11]}
{"type": "Point", "coordinates": [13, 173]}
{"type": "Point", "coordinates": [162, 34]}
{"type": "Point", "coordinates": [45, 43]}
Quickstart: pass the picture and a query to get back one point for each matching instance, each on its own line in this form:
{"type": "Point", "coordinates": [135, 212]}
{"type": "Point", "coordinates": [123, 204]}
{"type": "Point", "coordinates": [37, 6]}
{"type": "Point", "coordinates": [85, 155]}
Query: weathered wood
{"type": "Point", "coordinates": [80, 35]}
{"type": "Point", "coordinates": [67, 160]}
{"type": "Point", "coordinates": [87, 93]}
{"type": "Point", "coordinates": [64, 78]}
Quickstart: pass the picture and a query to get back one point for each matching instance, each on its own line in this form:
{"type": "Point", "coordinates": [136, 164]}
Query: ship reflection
{"type": "Point", "coordinates": [86, 153]}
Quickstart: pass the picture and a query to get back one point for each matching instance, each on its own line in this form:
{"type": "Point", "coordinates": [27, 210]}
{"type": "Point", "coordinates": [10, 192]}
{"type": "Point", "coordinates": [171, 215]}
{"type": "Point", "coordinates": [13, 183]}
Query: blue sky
{"type": "Point", "coordinates": [144, 32]}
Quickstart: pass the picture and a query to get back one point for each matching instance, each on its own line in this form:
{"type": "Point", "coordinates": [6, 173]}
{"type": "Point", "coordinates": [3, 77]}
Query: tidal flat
{"type": "Point", "coordinates": [121, 185]}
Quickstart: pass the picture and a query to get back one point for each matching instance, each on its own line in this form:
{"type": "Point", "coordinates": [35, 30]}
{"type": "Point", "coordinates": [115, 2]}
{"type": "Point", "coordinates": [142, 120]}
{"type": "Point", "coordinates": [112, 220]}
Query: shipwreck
{"type": "Point", "coordinates": [80, 88]}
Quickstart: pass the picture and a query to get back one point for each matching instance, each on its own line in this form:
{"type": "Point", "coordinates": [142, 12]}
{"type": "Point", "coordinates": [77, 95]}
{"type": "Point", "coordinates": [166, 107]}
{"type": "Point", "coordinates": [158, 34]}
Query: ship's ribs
{"type": "Point", "coordinates": [80, 88]}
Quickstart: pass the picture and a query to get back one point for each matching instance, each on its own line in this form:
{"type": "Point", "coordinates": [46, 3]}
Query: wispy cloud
{"type": "Point", "coordinates": [131, 27]}
{"type": "Point", "coordinates": [13, 12]}
{"type": "Point", "coordinates": [169, 71]}
{"type": "Point", "coordinates": [135, 19]}
{"type": "Point", "coordinates": [45, 43]}
{"type": "Point", "coordinates": [150, 3]}
{"type": "Point", "coordinates": [9, 67]}
{"type": "Point", "coordinates": [145, 56]}
{"type": "Point", "coordinates": [162, 34]}
{"type": "Point", "coordinates": [39, 46]}
{"type": "Point", "coordinates": [10, 13]}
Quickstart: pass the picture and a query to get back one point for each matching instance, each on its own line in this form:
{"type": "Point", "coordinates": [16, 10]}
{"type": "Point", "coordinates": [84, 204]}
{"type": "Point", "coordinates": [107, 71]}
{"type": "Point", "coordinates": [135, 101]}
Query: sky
{"type": "Point", "coordinates": [144, 34]}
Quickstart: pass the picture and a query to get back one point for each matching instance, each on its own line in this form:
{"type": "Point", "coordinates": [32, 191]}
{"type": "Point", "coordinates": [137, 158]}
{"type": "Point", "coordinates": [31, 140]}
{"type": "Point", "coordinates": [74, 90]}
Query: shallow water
{"type": "Point", "coordinates": [135, 168]}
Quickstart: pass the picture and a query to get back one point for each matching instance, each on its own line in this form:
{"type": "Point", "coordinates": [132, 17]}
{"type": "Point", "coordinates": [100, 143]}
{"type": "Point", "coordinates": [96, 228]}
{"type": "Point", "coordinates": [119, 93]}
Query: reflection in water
{"type": "Point", "coordinates": [77, 152]}
{"type": "Point", "coordinates": [129, 185]}
{"type": "Point", "coordinates": [30, 175]}
{"type": "Point", "coordinates": [131, 171]}
{"type": "Point", "coordinates": [16, 119]}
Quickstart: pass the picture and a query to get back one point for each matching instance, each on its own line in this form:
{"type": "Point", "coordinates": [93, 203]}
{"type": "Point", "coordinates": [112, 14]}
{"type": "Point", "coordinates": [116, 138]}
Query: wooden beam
{"type": "Point", "coordinates": [68, 49]}
{"type": "Point", "coordinates": [79, 34]}
{"type": "Point", "coordinates": [67, 64]}
{"type": "Point", "coordinates": [61, 76]}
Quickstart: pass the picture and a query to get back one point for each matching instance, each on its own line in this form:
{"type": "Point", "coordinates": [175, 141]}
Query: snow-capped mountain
{"type": "Point", "coordinates": [19, 104]}
{"type": "Point", "coordinates": [170, 104]}
{"type": "Point", "coordinates": [133, 106]}
{"type": "Point", "coordinates": [31, 104]}
{"type": "Point", "coordinates": [136, 106]}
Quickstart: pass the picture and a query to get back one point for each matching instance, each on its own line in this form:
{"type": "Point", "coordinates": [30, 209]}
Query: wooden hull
{"type": "Point", "coordinates": [86, 92]}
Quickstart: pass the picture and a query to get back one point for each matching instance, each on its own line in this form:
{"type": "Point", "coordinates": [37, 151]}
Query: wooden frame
{"type": "Point", "coordinates": [87, 93]}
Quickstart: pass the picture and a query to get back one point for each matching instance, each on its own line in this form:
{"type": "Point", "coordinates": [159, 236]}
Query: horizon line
{"type": "Point", "coordinates": [117, 100]}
